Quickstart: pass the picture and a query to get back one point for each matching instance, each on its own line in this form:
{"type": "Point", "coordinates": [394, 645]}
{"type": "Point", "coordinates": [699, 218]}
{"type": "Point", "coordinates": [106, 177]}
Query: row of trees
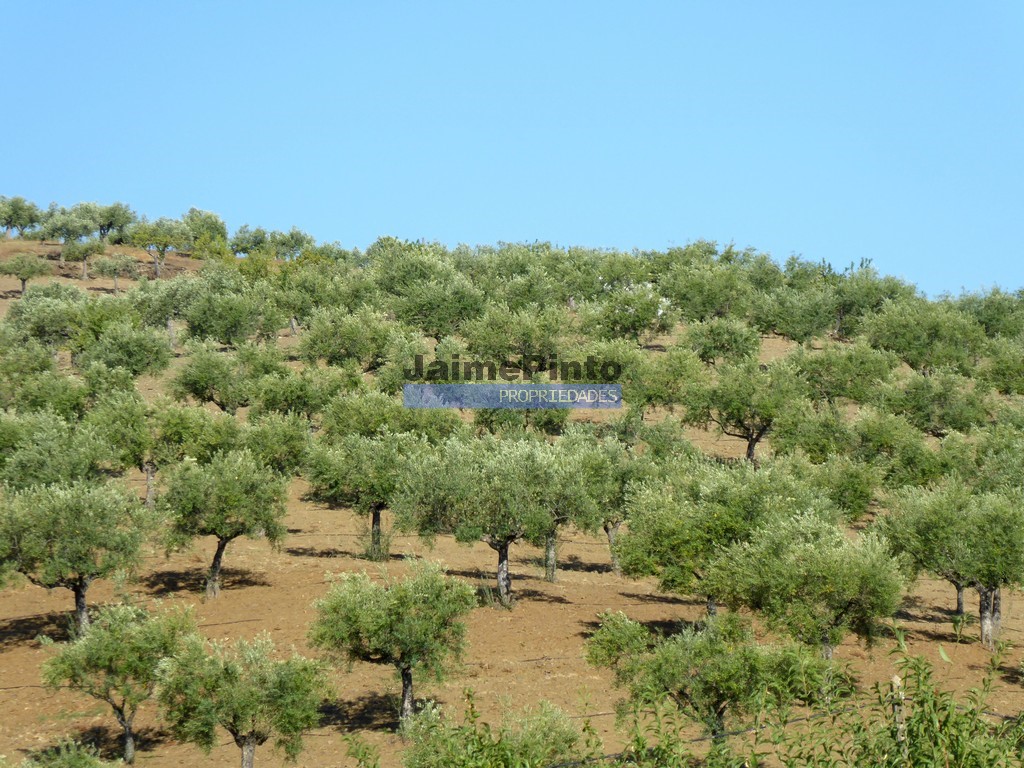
{"type": "Point", "coordinates": [615, 295]}
{"type": "Point", "coordinates": [908, 403]}
{"type": "Point", "coordinates": [85, 229]}
{"type": "Point", "coordinates": [711, 673]}
{"type": "Point", "coordinates": [798, 401]}
{"type": "Point", "coordinates": [129, 654]}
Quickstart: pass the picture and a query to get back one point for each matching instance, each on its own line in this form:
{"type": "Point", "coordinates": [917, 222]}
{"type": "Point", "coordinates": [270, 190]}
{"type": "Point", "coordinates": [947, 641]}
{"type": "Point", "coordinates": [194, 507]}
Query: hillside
{"type": "Point", "coordinates": [535, 650]}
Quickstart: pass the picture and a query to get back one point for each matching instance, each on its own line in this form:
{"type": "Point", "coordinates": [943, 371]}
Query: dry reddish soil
{"type": "Point", "coordinates": [513, 658]}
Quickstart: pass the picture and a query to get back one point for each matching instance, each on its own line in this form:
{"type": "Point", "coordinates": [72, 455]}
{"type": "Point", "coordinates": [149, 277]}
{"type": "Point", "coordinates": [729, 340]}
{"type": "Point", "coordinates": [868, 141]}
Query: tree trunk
{"type": "Point", "coordinates": [611, 530]}
{"type": "Point", "coordinates": [248, 753]}
{"type": "Point", "coordinates": [170, 331]}
{"type": "Point", "coordinates": [711, 604]}
{"type": "Point", "coordinates": [407, 697]}
{"type": "Point", "coordinates": [293, 324]}
{"type": "Point", "coordinates": [826, 647]}
{"type": "Point", "coordinates": [959, 599]}
{"type": "Point", "coordinates": [504, 576]}
{"type": "Point", "coordinates": [986, 610]}
{"type": "Point", "coordinates": [550, 556]}
{"type": "Point", "coordinates": [751, 448]}
{"type": "Point", "coordinates": [156, 273]}
{"type": "Point", "coordinates": [718, 729]}
{"type": "Point", "coordinates": [213, 579]}
{"type": "Point", "coordinates": [129, 743]}
{"type": "Point", "coordinates": [150, 471]}
{"type": "Point", "coordinates": [997, 615]}
{"type": "Point", "coordinates": [85, 269]}
{"type": "Point", "coordinates": [115, 283]}
{"type": "Point", "coordinates": [376, 551]}
{"type": "Point", "coordinates": [81, 607]}
{"type": "Point", "coordinates": [24, 282]}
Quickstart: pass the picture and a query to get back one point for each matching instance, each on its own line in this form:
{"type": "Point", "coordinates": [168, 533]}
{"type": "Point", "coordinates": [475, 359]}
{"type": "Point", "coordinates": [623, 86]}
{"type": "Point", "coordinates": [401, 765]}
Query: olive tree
{"type": "Point", "coordinates": [200, 222]}
{"type": "Point", "coordinates": [373, 413]}
{"type": "Point", "coordinates": [337, 336]}
{"type": "Point", "coordinates": [20, 214]}
{"type": "Point", "coordinates": [25, 267]}
{"type": "Point", "coordinates": [710, 672]}
{"type": "Point", "coordinates": [634, 312]}
{"type": "Point", "coordinates": [861, 292]}
{"type": "Point", "coordinates": [159, 237]}
{"type": "Point", "coordinates": [851, 371]}
{"type": "Point", "coordinates": [702, 289]}
{"type": "Point", "coordinates": [362, 473]}
{"type": "Point", "coordinates": [680, 523]}
{"type": "Point", "coordinates": [305, 393]}
{"type": "Point", "coordinates": [243, 690]}
{"type": "Point", "coordinates": [938, 403]}
{"type": "Point", "coordinates": [746, 400]}
{"type": "Point", "coordinates": [45, 449]}
{"type": "Point", "coordinates": [228, 317]}
{"type": "Point", "coordinates": [127, 345]}
{"type": "Point", "coordinates": [116, 660]}
{"type": "Point", "coordinates": [414, 624]}
{"type": "Point", "coordinates": [538, 736]}
{"type": "Point", "coordinates": [225, 379]}
{"type": "Point", "coordinates": [113, 219]}
{"type": "Point", "coordinates": [931, 528]}
{"type": "Point", "coordinates": [83, 250]}
{"type": "Point", "coordinates": [809, 579]}
{"type": "Point", "coordinates": [607, 468]}
{"type": "Point", "coordinates": [896, 448]}
{"type": "Point", "coordinates": [927, 335]}
{"type": "Point", "coordinates": [152, 437]}
{"type": "Point", "coordinates": [722, 338]}
{"type": "Point", "coordinates": [481, 490]}
{"type": "Point", "coordinates": [160, 302]}
{"type": "Point", "coordinates": [968, 539]}
{"type": "Point", "coordinates": [69, 225]}
{"type": "Point", "coordinates": [71, 535]}
{"type": "Point", "coordinates": [439, 308]}
{"type": "Point", "coordinates": [233, 495]}
{"type": "Point", "coordinates": [502, 334]}
{"type": "Point", "coordinates": [116, 266]}
{"type": "Point", "coordinates": [661, 380]}
{"type": "Point", "coordinates": [279, 440]}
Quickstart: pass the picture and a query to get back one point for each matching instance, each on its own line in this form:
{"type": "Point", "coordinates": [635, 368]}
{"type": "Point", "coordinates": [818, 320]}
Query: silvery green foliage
{"type": "Point", "coordinates": [243, 690]}
{"type": "Point", "coordinates": [810, 579]}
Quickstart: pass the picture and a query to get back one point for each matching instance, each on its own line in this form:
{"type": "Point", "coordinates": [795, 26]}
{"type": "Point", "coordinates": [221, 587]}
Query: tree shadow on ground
{"type": "Point", "coordinates": [1012, 674]}
{"type": "Point", "coordinates": [335, 552]}
{"type": "Point", "coordinates": [914, 608]}
{"type": "Point", "coordinates": [572, 563]}
{"type": "Point", "coordinates": [56, 625]}
{"type": "Point", "coordinates": [108, 740]}
{"type": "Point", "coordinates": [658, 627]}
{"type": "Point", "coordinates": [660, 598]}
{"type": "Point", "coordinates": [488, 576]}
{"type": "Point", "coordinates": [537, 595]}
{"type": "Point", "coordinates": [373, 711]}
{"type": "Point", "coordinates": [194, 580]}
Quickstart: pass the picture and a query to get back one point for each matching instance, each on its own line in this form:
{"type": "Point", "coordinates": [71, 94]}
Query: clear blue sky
{"type": "Point", "coordinates": [892, 131]}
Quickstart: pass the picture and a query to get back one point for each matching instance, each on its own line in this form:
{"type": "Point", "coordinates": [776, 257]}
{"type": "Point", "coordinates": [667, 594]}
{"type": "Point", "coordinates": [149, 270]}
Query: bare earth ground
{"type": "Point", "coordinates": [514, 658]}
